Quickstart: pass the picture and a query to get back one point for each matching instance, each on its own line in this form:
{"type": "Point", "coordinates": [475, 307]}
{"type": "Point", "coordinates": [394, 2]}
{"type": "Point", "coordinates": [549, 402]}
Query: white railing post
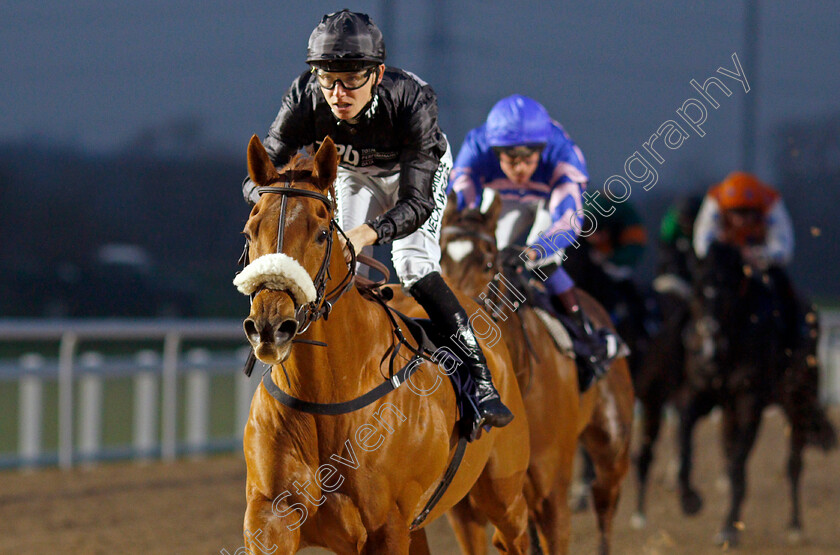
{"type": "Point", "coordinates": [145, 404]}
{"type": "Point", "coordinates": [90, 409]}
{"type": "Point", "coordinates": [66, 352]}
{"type": "Point", "coordinates": [30, 409]}
{"type": "Point", "coordinates": [830, 368]}
{"type": "Point", "coordinates": [828, 353]}
{"type": "Point", "coordinates": [197, 401]}
{"type": "Point", "coordinates": [171, 346]}
{"type": "Point", "coordinates": [157, 409]}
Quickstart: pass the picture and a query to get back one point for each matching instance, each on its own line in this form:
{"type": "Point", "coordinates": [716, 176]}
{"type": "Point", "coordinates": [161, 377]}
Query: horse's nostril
{"type": "Point", "coordinates": [285, 331]}
{"type": "Point", "coordinates": [251, 330]}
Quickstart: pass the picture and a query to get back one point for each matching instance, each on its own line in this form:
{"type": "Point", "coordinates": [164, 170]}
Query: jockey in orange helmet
{"type": "Point", "coordinates": [746, 213]}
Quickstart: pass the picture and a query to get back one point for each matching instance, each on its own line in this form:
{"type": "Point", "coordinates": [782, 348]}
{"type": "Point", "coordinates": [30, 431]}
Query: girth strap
{"type": "Point", "coordinates": [345, 407]}
{"type": "Point", "coordinates": [447, 478]}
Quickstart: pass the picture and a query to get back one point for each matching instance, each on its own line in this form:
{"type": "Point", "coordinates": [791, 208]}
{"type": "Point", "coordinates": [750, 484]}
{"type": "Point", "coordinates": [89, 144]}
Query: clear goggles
{"type": "Point", "coordinates": [350, 80]}
{"type": "Point", "coordinates": [518, 152]}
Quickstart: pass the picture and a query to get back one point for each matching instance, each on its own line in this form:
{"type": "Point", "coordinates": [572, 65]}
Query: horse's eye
{"type": "Point", "coordinates": [323, 235]}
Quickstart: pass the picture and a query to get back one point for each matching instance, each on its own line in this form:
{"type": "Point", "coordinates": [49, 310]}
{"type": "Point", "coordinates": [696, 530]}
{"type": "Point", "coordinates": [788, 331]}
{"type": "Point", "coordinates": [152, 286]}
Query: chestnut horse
{"type": "Point", "coordinates": [558, 414]}
{"type": "Point", "coordinates": [351, 482]}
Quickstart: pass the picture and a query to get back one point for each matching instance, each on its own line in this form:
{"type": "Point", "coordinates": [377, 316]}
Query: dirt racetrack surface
{"type": "Point", "coordinates": [196, 506]}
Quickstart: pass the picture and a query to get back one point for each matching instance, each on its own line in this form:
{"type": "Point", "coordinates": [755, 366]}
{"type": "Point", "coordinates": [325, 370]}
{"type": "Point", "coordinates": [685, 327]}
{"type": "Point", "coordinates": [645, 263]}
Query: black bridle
{"type": "Point", "coordinates": [323, 303]}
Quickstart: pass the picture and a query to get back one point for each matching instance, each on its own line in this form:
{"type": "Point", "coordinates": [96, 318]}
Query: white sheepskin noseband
{"type": "Point", "coordinates": [279, 272]}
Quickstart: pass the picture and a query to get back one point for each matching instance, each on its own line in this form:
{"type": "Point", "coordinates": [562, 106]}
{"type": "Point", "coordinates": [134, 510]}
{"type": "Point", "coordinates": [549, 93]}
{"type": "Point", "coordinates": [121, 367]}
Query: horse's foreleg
{"type": "Point", "coordinates": [605, 492]}
{"type": "Point", "coordinates": [502, 501]}
{"type": "Point", "coordinates": [794, 472]}
{"type": "Point", "coordinates": [697, 407]}
{"type": "Point", "coordinates": [419, 544]}
{"type": "Point", "coordinates": [266, 534]}
{"type": "Point", "coordinates": [611, 456]}
{"type": "Point", "coordinates": [651, 423]}
{"type": "Point", "coordinates": [553, 514]}
{"type": "Point", "coordinates": [468, 525]}
{"type": "Point", "coordinates": [392, 538]}
{"type": "Point", "coordinates": [511, 535]}
{"type": "Point", "coordinates": [740, 425]}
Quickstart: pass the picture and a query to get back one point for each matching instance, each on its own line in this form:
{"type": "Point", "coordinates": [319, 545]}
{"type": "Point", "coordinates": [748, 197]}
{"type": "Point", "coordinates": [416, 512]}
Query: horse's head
{"type": "Point", "coordinates": [290, 233]}
{"type": "Point", "coordinates": [468, 244]}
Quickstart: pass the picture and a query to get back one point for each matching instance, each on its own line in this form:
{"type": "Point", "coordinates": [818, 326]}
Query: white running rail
{"type": "Point", "coordinates": [80, 377]}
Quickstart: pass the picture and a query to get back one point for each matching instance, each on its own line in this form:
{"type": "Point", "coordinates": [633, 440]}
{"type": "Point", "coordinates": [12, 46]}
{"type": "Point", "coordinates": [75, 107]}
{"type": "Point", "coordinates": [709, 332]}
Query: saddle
{"type": "Point", "coordinates": [564, 331]}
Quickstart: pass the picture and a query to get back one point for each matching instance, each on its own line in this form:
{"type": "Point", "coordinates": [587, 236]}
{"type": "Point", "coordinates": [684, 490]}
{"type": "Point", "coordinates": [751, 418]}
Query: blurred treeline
{"type": "Point", "coordinates": [171, 214]}
{"type": "Point", "coordinates": [153, 228]}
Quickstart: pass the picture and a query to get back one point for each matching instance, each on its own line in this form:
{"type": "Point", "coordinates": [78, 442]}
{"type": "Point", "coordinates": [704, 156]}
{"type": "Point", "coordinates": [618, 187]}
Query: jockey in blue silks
{"type": "Point", "coordinates": [532, 164]}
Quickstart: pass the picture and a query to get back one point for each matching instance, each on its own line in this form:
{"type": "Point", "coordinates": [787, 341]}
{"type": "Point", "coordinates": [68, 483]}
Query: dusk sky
{"type": "Point", "coordinates": [94, 74]}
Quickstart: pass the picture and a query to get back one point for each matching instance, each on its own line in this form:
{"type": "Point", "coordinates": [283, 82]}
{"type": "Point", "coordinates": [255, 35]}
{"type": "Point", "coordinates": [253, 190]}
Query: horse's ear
{"type": "Point", "coordinates": [491, 216]}
{"type": "Point", "coordinates": [326, 163]}
{"type": "Point", "coordinates": [260, 167]}
{"type": "Point", "coordinates": [451, 210]}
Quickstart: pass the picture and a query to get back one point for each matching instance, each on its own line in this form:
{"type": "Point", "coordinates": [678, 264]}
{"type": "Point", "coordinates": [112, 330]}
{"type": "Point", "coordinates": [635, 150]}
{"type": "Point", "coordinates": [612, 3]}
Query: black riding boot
{"type": "Point", "coordinates": [447, 314]}
{"type": "Point", "coordinates": [595, 349]}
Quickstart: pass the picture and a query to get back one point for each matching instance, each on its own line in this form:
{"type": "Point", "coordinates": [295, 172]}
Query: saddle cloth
{"type": "Point", "coordinates": [558, 332]}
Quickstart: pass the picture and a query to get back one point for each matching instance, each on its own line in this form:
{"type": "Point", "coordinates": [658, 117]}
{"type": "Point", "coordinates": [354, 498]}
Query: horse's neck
{"type": "Point", "coordinates": [475, 281]}
{"type": "Point", "coordinates": [352, 331]}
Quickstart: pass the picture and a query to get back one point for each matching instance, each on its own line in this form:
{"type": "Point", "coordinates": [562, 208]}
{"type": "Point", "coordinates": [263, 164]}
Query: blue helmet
{"type": "Point", "coordinates": [518, 120]}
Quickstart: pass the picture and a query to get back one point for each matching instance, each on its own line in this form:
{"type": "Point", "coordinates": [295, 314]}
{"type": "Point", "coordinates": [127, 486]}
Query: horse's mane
{"type": "Point", "coordinates": [301, 161]}
{"type": "Point", "coordinates": [473, 215]}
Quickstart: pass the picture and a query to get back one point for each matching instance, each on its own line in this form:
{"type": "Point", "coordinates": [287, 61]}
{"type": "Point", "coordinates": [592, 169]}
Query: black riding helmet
{"type": "Point", "coordinates": [345, 41]}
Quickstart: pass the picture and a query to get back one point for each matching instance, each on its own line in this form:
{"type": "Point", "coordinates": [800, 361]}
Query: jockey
{"type": "Point", "coordinates": [745, 213]}
{"type": "Point", "coordinates": [676, 249]}
{"type": "Point", "coordinates": [391, 180]}
{"type": "Point", "coordinates": [616, 247]}
{"type": "Point", "coordinates": [540, 174]}
{"type": "Point", "coordinates": [619, 241]}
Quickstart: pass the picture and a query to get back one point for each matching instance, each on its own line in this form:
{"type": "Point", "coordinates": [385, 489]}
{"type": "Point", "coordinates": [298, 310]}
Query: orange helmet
{"type": "Point", "coordinates": [743, 191]}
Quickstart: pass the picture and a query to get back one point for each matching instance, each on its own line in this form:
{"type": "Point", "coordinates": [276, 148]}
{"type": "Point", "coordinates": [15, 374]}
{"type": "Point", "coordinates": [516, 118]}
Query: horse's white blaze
{"type": "Point", "coordinates": [458, 250]}
{"type": "Point", "coordinates": [277, 271]}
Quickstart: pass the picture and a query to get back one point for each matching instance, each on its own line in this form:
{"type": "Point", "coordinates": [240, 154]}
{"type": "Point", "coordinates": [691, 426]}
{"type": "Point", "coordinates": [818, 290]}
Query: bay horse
{"type": "Point", "coordinates": [735, 360]}
{"type": "Point", "coordinates": [623, 299]}
{"type": "Point", "coordinates": [557, 412]}
{"type": "Point", "coordinates": [662, 377]}
{"type": "Point", "coordinates": [631, 314]}
{"type": "Point", "coordinates": [351, 482]}
{"type": "Point", "coordinates": [658, 381]}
